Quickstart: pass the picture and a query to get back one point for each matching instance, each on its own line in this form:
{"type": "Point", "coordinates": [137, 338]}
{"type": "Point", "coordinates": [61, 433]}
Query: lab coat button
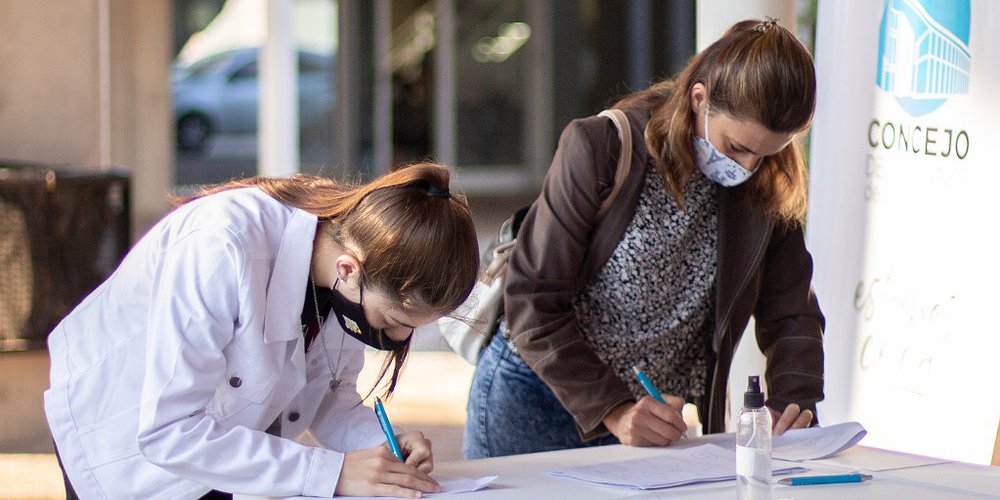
{"type": "Point", "coordinates": [235, 382]}
{"type": "Point", "coordinates": [293, 416]}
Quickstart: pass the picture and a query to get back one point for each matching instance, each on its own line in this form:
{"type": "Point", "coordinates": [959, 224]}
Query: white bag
{"type": "Point", "coordinates": [471, 326]}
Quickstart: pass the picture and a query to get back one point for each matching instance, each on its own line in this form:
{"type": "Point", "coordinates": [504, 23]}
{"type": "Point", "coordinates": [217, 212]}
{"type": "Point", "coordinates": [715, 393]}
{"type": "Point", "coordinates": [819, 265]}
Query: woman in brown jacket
{"type": "Point", "coordinates": [705, 232]}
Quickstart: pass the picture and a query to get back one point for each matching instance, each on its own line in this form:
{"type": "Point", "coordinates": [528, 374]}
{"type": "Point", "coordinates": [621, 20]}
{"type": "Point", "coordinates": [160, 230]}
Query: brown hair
{"type": "Point", "coordinates": [417, 241]}
{"type": "Point", "coordinates": [757, 71]}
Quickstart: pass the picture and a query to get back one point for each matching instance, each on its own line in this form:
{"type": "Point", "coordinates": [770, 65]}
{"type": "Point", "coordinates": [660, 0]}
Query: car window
{"type": "Point", "coordinates": [248, 71]}
{"type": "Point", "coordinates": [313, 64]}
{"type": "Point", "coordinates": [207, 66]}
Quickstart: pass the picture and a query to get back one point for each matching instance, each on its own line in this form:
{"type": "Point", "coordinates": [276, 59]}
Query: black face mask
{"type": "Point", "coordinates": [352, 319]}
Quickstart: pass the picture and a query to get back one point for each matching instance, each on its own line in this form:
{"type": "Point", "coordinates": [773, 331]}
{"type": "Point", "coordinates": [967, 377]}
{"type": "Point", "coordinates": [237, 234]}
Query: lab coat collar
{"type": "Point", "coordinates": [286, 291]}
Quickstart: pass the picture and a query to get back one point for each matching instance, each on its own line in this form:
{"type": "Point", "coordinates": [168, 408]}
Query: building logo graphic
{"type": "Point", "coordinates": [923, 52]}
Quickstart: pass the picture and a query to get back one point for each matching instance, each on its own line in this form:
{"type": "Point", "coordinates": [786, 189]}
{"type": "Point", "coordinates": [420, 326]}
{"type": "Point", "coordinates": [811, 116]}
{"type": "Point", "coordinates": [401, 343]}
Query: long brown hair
{"type": "Point", "coordinates": [417, 239]}
{"type": "Point", "coordinates": [757, 71]}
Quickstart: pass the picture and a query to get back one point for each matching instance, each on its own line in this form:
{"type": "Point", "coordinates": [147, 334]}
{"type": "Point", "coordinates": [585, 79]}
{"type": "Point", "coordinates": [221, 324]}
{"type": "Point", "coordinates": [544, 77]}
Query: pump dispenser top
{"type": "Point", "coordinates": [753, 398]}
{"type": "Point", "coordinates": [753, 445]}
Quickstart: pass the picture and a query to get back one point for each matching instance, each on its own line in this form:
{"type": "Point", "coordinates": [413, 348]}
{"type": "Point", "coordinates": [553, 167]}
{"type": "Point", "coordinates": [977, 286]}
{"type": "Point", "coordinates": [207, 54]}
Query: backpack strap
{"type": "Point", "coordinates": [618, 117]}
{"type": "Point", "coordinates": [497, 256]}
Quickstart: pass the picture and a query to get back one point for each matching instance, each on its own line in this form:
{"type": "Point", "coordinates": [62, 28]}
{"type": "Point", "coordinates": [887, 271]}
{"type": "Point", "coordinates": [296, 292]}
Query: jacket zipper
{"type": "Point", "coordinates": [758, 255]}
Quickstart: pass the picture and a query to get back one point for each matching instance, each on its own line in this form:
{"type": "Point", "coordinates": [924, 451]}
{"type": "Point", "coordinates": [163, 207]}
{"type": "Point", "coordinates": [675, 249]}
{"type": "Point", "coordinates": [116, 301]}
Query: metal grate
{"type": "Point", "coordinates": [63, 230]}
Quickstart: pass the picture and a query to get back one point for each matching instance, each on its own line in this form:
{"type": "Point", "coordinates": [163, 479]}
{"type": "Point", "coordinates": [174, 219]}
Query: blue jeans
{"type": "Point", "coordinates": [511, 411]}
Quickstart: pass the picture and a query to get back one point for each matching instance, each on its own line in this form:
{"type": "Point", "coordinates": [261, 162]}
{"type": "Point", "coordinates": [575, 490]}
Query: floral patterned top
{"type": "Point", "coordinates": [652, 303]}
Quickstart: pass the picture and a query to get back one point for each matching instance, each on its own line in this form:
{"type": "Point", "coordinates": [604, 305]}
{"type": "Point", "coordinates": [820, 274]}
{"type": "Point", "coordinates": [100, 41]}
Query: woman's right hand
{"type": "Point", "coordinates": [648, 422]}
{"type": "Point", "coordinates": [376, 472]}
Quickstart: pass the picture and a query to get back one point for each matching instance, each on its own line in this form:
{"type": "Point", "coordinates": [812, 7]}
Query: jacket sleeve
{"type": "Point", "coordinates": [193, 308]}
{"type": "Point", "coordinates": [542, 280]}
{"type": "Point", "coordinates": [789, 323]}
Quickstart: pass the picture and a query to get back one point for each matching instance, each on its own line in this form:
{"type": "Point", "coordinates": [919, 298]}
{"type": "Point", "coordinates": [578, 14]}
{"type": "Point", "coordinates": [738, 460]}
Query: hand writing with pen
{"type": "Point", "coordinates": [377, 472]}
{"type": "Point", "coordinates": [399, 468]}
{"type": "Point", "coordinates": [657, 420]}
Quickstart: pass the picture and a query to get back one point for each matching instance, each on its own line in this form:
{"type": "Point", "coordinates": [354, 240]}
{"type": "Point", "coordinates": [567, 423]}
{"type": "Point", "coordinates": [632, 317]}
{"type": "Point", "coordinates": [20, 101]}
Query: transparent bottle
{"type": "Point", "coordinates": [753, 445]}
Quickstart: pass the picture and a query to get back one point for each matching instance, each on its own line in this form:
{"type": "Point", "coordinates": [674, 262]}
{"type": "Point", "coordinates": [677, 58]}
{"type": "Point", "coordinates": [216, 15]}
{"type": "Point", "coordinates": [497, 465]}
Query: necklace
{"type": "Point", "coordinates": [334, 381]}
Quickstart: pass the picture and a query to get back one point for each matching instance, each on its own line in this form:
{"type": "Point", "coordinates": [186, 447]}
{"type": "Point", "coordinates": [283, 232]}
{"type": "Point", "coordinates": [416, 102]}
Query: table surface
{"type": "Point", "coordinates": [896, 475]}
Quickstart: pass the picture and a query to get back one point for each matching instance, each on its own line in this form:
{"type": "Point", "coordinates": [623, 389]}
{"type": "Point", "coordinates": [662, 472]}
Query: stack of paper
{"type": "Point", "coordinates": [711, 463]}
{"type": "Point", "coordinates": [817, 442]}
{"type": "Point", "coordinates": [702, 464]}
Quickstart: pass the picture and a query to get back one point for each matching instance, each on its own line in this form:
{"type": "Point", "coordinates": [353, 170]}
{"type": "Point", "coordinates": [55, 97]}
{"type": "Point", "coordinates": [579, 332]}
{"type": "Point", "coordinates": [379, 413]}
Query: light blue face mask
{"type": "Point", "coordinates": [715, 165]}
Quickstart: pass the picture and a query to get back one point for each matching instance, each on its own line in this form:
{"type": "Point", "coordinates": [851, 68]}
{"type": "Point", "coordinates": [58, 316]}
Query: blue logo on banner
{"type": "Point", "coordinates": [923, 52]}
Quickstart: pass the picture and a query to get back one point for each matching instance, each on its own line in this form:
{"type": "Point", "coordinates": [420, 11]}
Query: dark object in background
{"type": "Point", "coordinates": [63, 230]}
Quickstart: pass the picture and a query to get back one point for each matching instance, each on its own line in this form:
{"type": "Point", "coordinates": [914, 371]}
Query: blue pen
{"type": "Point", "coordinates": [383, 420]}
{"type": "Point", "coordinates": [651, 389]}
{"type": "Point", "coordinates": [832, 479]}
{"type": "Point", "coordinates": [648, 385]}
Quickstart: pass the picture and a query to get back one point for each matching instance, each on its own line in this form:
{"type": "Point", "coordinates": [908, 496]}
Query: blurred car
{"type": "Point", "coordinates": [219, 94]}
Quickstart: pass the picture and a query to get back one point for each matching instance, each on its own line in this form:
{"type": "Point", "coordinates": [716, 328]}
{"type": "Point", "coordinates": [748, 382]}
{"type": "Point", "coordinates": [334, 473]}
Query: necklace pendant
{"type": "Point", "coordinates": [334, 384]}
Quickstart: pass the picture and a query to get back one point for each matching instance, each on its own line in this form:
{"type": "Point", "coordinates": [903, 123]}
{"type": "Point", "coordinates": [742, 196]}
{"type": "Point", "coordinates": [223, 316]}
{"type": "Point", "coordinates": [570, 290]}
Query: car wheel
{"type": "Point", "coordinates": [193, 131]}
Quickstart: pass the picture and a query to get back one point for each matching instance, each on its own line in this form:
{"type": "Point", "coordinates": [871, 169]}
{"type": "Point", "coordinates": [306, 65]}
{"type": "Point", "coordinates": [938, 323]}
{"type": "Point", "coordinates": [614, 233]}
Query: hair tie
{"type": "Point", "coordinates": [438, 193]}
{"type": "Point", "coordinates": [430, 190]}
{"type": "Point", "coordinates": [768, 23]}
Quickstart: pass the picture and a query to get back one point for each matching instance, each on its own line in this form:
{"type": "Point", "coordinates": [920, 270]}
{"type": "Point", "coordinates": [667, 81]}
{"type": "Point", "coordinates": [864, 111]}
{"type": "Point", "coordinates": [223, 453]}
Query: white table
{"type": "Point", "coordinates": [897, 476]}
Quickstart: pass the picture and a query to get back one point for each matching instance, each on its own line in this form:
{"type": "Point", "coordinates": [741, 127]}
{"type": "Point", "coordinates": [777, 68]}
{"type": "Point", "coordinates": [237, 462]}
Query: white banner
{"type": "Point", "coordinates": [902, 221]}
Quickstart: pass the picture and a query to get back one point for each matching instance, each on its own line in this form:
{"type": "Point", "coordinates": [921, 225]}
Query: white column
{"type": "Point", "coordinates": [104, 82]}
{"type": "Point", "coordinates": [278, 126]}
{"type": "Point", "coordinates": [837, 219]}
{"type": "Point", "coordinates": [715, 16]}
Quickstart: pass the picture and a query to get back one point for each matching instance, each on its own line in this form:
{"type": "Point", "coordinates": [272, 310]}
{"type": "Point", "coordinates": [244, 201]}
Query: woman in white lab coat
{"type": "Point", "coordinates": [202, 362]}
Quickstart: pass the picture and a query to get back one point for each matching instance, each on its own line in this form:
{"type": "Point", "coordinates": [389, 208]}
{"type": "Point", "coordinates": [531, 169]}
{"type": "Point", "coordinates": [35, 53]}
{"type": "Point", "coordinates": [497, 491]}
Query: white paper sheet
{"type": "Point", "coordinates": [816, 442]}
{"type": "Point", "coordinates": [450, 484]}
{"type": "Point", "coordinates": [701, 464]}
{"type": "Point", "coordinates": [461, 484]}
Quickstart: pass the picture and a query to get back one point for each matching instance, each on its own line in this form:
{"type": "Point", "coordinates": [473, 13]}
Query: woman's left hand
{"type": "Point", "coordinates": [417, 450]}
{"type": "Point", "coordinates": [792, 418]}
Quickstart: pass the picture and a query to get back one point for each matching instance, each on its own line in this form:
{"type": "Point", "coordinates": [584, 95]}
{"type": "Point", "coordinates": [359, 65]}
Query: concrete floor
{"type": "Point", "coordinates": [430, 397]}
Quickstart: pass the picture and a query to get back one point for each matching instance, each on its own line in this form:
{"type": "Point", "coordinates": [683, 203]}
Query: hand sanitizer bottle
{"type": "Point", "coordinates": [753, 445]}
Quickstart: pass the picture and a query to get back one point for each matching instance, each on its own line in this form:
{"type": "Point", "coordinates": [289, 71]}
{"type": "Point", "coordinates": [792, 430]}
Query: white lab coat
{"type": "Point", "coordinates": [164, 377]}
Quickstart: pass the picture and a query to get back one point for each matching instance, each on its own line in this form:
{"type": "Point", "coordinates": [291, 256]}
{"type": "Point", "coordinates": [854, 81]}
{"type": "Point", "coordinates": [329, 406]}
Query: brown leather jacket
{"type": "Point", "coordinates": [764, 270]}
